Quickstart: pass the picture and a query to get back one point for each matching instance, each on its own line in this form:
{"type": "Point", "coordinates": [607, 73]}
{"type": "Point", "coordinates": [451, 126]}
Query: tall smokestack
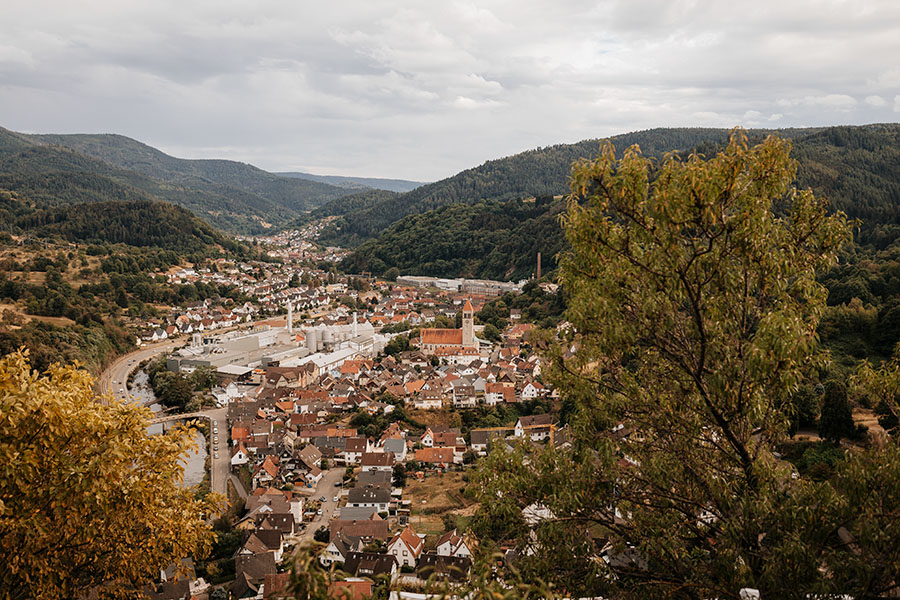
{"type": "Point", "coordinates": [290, 323]}
{"type": "Point", "coordinates": [539, 266]}
{"type": "Point", "coordinates": [355, 333]}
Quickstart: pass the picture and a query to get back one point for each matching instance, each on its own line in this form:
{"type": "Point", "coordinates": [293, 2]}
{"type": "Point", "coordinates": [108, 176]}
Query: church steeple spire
{"type": "Point", "coordinates": [468, 325]}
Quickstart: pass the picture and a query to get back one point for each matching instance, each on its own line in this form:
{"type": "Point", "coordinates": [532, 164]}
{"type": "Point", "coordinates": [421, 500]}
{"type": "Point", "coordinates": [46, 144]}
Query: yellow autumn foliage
{"type": "Point", "coordinates": [88, 501]}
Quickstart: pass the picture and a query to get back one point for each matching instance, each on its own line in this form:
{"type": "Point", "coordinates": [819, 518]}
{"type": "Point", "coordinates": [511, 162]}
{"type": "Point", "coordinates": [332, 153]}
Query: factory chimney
{"type": "Point", "coordinates": [539, 266]}
{"type": "Point", "coordinates": [290, 322]}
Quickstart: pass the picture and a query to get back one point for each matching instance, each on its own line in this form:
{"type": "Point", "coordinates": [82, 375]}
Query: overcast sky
{"type": "Point", "coordinates": [421, 90]}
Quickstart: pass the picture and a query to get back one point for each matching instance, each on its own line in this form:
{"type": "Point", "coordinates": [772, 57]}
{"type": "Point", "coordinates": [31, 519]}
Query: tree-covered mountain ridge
{"type": "Point", "coordinates": [856, 167]}
{"type": "Point", "coordinates": [542, 171]}
{"type": "Point", "coordinates": [236, 197]}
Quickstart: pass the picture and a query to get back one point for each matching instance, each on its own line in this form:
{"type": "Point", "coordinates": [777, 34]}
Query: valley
{"type": "Point", "coordinates": [362, 360]}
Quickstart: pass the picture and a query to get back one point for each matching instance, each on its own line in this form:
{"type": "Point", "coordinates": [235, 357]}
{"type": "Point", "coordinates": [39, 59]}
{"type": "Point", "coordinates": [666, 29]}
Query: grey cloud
{"type": "Point", "coordinates": [422, 90]}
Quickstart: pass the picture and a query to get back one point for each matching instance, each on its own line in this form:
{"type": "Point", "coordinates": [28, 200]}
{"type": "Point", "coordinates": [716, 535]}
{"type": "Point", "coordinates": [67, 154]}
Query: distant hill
{"type": "Point", "coordinates": [857, 168]}
{"type": "Point", "coordinates": [126, 153]}
{"type": "Point", "coordinates": [359, 183]}
{"type": "Point", "coordinates": [539, 172]}
{"type": "Point", "coordinates": [76, 168]}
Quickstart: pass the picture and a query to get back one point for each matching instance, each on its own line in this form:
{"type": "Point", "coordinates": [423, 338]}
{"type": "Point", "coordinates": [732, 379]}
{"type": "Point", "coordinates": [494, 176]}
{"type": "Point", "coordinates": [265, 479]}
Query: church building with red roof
{"type": "Point", "coordinates": [442, 340]}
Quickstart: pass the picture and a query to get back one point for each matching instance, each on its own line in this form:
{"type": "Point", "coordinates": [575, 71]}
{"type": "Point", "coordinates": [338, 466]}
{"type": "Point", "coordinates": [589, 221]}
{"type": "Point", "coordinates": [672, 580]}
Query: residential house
{"type": "Point", "coordinates": [537, 427]}
{"type": "Point", "coordinates": [354, 448]}
{"type": "Point", "coordinates": [240, 456]}
{"type": "Point", "coordinates": [275, 586]}
{"type": "Point", "coordinates": [498, 393]}
{"type": "Point", "coordinates": [450, 569]}
{"type": "Point", "coordinates": [283, 522]}
{"type": "Point", "coordinates": [375, 479]}
{"type": "Point", "coordinates": [266, 472]}
{"type": "Point", "coordinates": [429, 400]}
{"type": "Point", "coordinates": [350, 590]}
{"type": "Point", "coordinates": [369, 497]}
{"type": "Point", "coordinates": [463, 393]}
{"type": "Point", "coordinates": [338, 547]}
{"type": "Point", "coordinates": [367, 531]}
{"type": "Point", "coordinates": [264, 540]}
{"type": "Point", "coordinates": [250, 572]}
{"type": "Point", "coordinates": [309, 456]}
{"type": "Point", "coordinates": [532, 390]}
{"type": "Point", "coordinates": [406, 547]}
{"type": "Point", "coordinates": [427, 438]}
{"type": "Point", "coordinates": [369, 564]}
{"type": "Point", "coordinates": [377, 461]}
{"type": "Point", "coordinates": [397, 447]}
{"type": "Point", "coordinates": [481, 439]}
{"type": "Point", "coordinates": [454, 544]}
{"type": "Point", "coordinates": [439, 458]}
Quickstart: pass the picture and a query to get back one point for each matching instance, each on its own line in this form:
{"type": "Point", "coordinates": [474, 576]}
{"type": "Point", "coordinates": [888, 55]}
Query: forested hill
{"type": "Point", "coordinates": [356, 204]}
{"type": "Point", "coordinates": [489, 239]}
{"type": "Point", "coordinates": [123, 152]}
{"type": "Point", "coordinates": [857, 168]}
{"type": "Point", "coordinates": [44, 176]}
{"type": "Point", "coordinates": [139, 223]}
{"type": "Point", "coordinates": [229, 195]}
{"type": "Point", "coordinates": [539, 172]}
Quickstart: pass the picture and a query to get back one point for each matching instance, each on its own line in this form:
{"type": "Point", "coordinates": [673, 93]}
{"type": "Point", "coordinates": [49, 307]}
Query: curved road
{"type": "Point", "coordinates": [114, 379]}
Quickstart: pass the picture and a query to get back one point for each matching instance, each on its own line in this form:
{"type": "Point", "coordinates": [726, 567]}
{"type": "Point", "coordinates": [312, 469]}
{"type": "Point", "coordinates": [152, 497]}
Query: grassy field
{"type": "Point", "coordinates": [433, 500]}
{"type": "Point", "coordinates": [435, 493]}
{"type": "Point", "coordinates": [20, 316]}
{"type": "Point", "coordinates": [432, 418]}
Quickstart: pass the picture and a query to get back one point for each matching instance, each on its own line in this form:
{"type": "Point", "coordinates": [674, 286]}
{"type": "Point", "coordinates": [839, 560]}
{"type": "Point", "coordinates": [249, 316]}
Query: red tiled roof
{"type": "Point", "coordinates": [435, 455]}
{"type": "Point", "coordinates": [442, 337]}
{"type": "Point", "coordinates": [349, 590]}
{"type": "Point", "coordinates": [409, 537]}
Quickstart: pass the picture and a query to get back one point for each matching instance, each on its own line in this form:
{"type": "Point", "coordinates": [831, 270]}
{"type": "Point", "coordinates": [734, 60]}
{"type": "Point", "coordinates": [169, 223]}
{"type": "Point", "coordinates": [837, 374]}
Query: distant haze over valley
{"type": "Point", "coordinates": [359, 183]}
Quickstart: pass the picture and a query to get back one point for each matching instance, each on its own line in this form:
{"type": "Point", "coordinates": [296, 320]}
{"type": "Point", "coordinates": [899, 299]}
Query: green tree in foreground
{"type": "Point", "coordinates": [87, 498]}
{"type": "Point", "coordinates": [693, 300]}
{"type": "Point", "coordinates": [836, 420]}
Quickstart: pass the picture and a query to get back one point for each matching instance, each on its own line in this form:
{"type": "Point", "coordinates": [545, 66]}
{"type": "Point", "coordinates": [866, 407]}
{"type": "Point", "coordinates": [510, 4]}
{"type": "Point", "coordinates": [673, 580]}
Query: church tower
{"type": "Point", "coordinates": [468, 325]}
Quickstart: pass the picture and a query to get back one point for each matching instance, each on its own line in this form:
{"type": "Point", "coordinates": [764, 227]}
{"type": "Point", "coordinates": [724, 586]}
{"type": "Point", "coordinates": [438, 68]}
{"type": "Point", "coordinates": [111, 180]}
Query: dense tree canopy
{"type": "Point", "coordinates": [693, 300]}
{"type": "Point", "coordinates": [87, 498]}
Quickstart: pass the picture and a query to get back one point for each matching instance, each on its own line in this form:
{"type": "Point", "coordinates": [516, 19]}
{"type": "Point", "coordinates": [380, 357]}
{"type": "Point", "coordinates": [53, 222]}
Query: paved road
{"type": "Point", "coordinates": [326, 487]}
{"type": "Point", "coordinates": [113, 380]}
{"type": "Point", "coordinates": [219, 467]}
